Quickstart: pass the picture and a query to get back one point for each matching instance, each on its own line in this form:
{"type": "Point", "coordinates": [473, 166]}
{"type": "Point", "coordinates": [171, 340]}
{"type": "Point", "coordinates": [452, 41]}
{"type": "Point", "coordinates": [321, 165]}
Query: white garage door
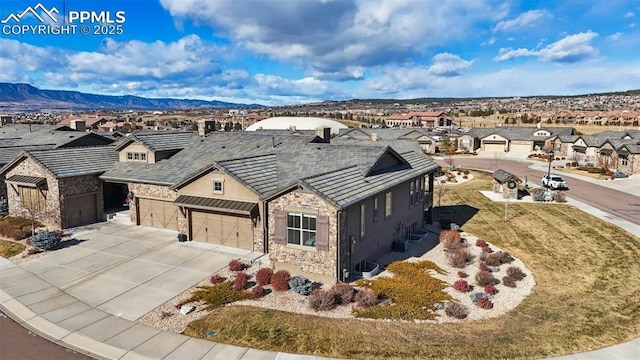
{"type": "Point", "coordinates": [494, 146]}
{"type": "Point", "coordinates": [222, 229]}
{"type": "Point", "coordinates": [520, 148]}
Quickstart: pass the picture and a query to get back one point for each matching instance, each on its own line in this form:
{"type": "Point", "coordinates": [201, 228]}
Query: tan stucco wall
{"type": "Point", "coordinates": [136, 147]}
{"type": "Point", "coordinates": [233, 190]}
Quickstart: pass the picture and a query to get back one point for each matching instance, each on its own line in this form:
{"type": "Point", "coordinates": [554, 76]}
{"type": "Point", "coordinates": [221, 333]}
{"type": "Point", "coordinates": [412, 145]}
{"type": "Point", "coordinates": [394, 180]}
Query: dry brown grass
{"type": "Point", "coordinates": [580, 172]}
{"type": "Point", "coordinates": [10, 248]}
{"type": "Point", "coordinates": [587, 295]}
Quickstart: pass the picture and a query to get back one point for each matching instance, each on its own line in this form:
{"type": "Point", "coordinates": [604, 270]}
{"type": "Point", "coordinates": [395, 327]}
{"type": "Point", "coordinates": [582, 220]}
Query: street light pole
{"type": "Point", "coordinates": [551, 154]}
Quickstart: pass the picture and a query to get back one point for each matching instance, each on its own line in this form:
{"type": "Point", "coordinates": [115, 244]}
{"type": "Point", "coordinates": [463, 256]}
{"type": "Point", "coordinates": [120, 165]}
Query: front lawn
{"type": "Point", "coordinates": [587, 295]}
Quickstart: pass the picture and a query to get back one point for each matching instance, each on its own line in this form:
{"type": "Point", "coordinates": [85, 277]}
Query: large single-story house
{"type": "Point", "coordinates": [60, 187]}
{"type": "Point", "coordinates": [313, 204]}
{"type": "Point", "coordinates": [16, 138]}
{"type": "Point", "coordinates": [427, 119]}
{"type": "Point", "coordinates": [514, 139]}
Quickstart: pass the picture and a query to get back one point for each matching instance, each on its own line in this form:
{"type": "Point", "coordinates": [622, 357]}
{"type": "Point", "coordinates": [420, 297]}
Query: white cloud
{"type": "Point", "coordinates": [276, 85]}
{"type": "Point", "coordinates": [331, 38]}
{"type": "Point", "coordinates": [570, 49]}
{"type": "Point", "coordinates": [523, 20]}
{"type": "Point", "coordinates": [629, 15]}
{"type": "Point", "coordinates": [448, 65]}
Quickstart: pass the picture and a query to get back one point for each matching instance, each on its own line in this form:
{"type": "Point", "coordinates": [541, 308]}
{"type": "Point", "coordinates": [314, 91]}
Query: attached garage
{"type": "Point", "coordinates": [220, 221]}
{"type": "Point", "coordinates": [495, 146]}
{"type": "Point", "coordinates": [222, 229]}
{"type": "Point", "coordinates": [157, 213]}
{"type": "Point", "coordinates": [81, 209]}
{"type": "Point", "coordinates": [520, 148]}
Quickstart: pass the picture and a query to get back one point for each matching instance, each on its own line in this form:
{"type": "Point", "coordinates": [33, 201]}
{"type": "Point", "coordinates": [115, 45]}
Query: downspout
{"type": "Point", "coordinates": [265, 227]}
{"type": "Point", "coordinates": [339, 272]}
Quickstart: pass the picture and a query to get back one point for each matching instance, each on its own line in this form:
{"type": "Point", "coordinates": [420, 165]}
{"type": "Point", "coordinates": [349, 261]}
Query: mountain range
{"type": "Point", "coordinates": [24, 97]}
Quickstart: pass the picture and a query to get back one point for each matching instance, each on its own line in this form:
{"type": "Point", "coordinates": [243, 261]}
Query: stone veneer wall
{"type": "Point", "coordinates": [258, 232]}
{"type": "Point", "coordinates": [78, 185]}
{"type": "Point", "coordinates": [307, 259]}
{"type": "Point", "coordinates": [51, 215]}
{"type": "Point", "coordinates": [157, 192]}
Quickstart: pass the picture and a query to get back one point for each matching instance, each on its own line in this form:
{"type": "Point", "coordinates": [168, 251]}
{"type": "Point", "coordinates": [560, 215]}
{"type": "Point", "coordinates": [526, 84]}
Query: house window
{"type": "Point", "coordinates": [417, 190]}
{"type": "Point", "coordinates": [624, 161]}
{"type": "Point", "coordinates": [218, 187]}
{"type": "Point", "coordinates": [301, 229]}
{"type": "Point", "coordinates": [388, 205]}
{"type": "Point", "coordinates": [363, 220]}
{"type": "Point", "coordinates": [32, 199]}
{"type": "Point", "coordinates": [411, 191]}
{"type": "Point", "coordinates": [375, 209]}
{"type": "Point", "coordinates": [136, 156]}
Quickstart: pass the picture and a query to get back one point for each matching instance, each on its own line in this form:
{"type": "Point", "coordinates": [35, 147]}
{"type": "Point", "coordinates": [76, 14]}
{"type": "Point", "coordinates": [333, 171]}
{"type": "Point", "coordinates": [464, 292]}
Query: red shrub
{"type": "Point", "coordinates": [485, 303]}
{"type": "Point", "coordinates": [505, 257]}
{"type": "Point", "coordinates": [366, 297]}
{"type": "Point", "coordinates": [515, 273]}
{"type": "Point", "coordinates": [263, 276]}
{"type": "Point", "coordinates": [280, 280]}
{"type": "Point", "coordinates": [481, 243]}
{"type": "Point", "coordinates": [322, 300]}
{"type": "Point", "coordinates": [237, 265]}
{"type": "Point", "coordinates": [490, 289]}
{"type": "Point", "coordinates": [487, 249]}
{"type": "Point", "coordinates": [493, 259]}
{"type": "Point", "coordinates": [484, 267]}
{"type": "Point", "coordinates": [344, 293]}
{"type": "Point", "coordinates": [216, 279]}
{"type": "Point", "coordinates": [508, 281]}
{"type": "Point", "coordinates": [484, 278]}
{"type": "Point", "coordinates": [240, 281]}
{"type": "Point", "coordinates": [257, 292]}
{"type": "Point", "coordinates": [462, 274]}
{"type": "Point", "coordinates": [462, 286]}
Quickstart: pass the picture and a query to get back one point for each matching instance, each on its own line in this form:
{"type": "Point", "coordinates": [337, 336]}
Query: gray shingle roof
{"type": "Point", "coordinates": [76, 161]}
{"type": "Point", "coordinates": [18, 131]}
{"type": "Point", "coordinates": [519, 133]}
{"type": "Point", "coordinates": [253, 159]}
{"type": "Point", "coordinates": [10, 153]}
{"type": "Point", "coordinates": [164, 140]}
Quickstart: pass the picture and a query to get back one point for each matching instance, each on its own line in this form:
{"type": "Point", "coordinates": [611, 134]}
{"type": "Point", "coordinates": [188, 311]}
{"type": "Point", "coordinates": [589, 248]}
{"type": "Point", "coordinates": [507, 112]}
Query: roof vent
{"type": "Point", "coordinates": [374, 137]}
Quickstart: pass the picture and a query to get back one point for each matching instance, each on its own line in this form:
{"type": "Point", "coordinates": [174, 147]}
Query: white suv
{"type": "Point", "coordinates": [555, 182]}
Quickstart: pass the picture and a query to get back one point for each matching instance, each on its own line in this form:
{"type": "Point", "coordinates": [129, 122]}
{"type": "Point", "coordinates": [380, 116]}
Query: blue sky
{"type": "Point", "coordinates": [278, 52]}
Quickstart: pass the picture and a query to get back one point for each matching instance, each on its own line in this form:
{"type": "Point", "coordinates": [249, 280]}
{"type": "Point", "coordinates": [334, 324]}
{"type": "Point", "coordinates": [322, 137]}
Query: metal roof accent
{"type": "Point", "coordinates": [227, 206]}
{"type": "Point", "coordinates": [25, 180]}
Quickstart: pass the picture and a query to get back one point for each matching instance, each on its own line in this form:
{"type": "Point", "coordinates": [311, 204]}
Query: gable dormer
{"type": "Point", "coordinates": [389, 160]}
{"type": "Point", "coordinates": [134, 151]}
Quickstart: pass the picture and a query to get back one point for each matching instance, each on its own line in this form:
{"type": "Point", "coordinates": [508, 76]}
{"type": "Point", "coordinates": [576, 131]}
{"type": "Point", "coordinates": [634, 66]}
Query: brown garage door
{"type": "Point", "coordinates": [157, 213]}
{"type": "Point", "coordinates": [81, 209]}
{"type": "Point", "coordinates": [222, 229]}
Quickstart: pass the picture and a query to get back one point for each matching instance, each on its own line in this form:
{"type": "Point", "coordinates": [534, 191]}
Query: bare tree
{"type": "Point", "coordinates": [449, 160]}
{"type": "Point", "coordinates": [441, 191]}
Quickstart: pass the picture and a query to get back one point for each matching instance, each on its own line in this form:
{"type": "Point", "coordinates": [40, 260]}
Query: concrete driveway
{"type": "Point", "coordinates": [128, 271]}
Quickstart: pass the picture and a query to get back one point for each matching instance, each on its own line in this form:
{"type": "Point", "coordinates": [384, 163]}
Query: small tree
{"type": "Point", "coordinates": [441, 191]}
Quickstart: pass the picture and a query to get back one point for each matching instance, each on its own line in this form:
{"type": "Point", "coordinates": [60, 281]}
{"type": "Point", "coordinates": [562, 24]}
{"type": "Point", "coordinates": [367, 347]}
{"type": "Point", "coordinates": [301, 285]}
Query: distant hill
{"type": "Point", "coordinates": [27, 97]}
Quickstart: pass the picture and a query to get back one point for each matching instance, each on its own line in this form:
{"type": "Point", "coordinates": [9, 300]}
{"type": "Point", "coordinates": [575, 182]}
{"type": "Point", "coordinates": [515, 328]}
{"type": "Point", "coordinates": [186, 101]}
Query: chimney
{"type": "Point", "coordinates": [374, 137]}
{"type": "Point", "coordinates": [205, 127]}
{"type": "Point", "coordinates": [324, 133]}
{"type": "Point", "coordinates": [292, 128]}
{"type": "Point", "coordinates": [78, 125]}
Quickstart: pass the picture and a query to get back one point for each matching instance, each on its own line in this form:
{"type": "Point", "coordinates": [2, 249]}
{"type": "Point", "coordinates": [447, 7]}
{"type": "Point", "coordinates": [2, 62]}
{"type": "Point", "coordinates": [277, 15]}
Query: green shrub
{"type": "Point", "coordinates": [218, 295]}
{"type": "Point", "coordinates": [301, 285]}
{"type": "Point", "coordinates": [46, 240]}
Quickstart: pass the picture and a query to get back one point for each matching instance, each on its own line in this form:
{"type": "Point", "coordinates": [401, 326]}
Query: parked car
{"type": "Point", "coordinates": [619, 175]}
{"type": "Point", "coordinates": [555, 182]}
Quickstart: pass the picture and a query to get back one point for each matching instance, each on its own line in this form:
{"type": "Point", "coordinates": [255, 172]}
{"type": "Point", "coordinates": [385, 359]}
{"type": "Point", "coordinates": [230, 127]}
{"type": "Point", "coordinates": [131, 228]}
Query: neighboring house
{"type": "Point", "coordinates": [427, 119]}
{"type": "Point", "coordinates": [429, 144]}
{"type": "Point", "coordinates": [629, 158]}
{"type": "Point", "coordinates": [61, 187]}
{"type": "Point", "coordinates": [16, 138]}
{"type": "Point", "coordinates": [313, 204]}
{"type": "Point", "coordinates": [153, 146]}
{"type": "Point", "coordinates": [619, 154]}
{"type": "Point", "coordinates": [524, 140]}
